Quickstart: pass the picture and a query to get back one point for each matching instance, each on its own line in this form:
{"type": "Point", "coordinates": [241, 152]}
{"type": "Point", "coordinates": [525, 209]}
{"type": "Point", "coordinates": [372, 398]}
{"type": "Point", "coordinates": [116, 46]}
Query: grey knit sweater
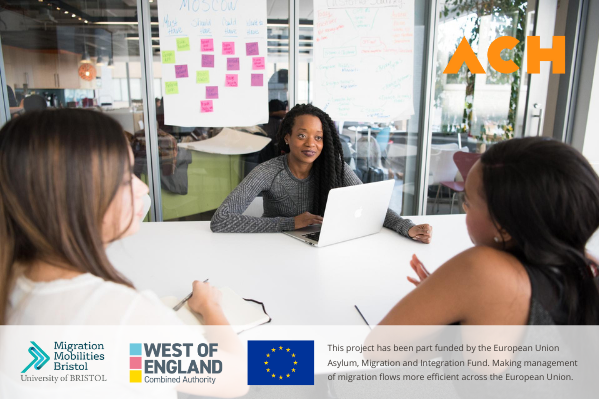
{"type": "Point", "coordinates": [285, 197]}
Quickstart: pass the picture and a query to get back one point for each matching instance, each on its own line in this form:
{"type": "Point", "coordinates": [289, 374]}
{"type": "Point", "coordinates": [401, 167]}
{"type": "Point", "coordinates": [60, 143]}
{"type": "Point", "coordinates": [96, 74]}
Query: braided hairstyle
{"type": "Point", "coordinates": [544, 194]}
{"type": "Point", "coordinates": [328, 168]}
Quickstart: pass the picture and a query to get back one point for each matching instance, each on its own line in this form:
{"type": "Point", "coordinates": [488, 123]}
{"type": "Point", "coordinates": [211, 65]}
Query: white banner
{"type": "Point", "coordinates": [364, 59]}
{"type": "Point", "coordinates": [422, 361]}
{"type": "Point", "coordinates": [214, 62]}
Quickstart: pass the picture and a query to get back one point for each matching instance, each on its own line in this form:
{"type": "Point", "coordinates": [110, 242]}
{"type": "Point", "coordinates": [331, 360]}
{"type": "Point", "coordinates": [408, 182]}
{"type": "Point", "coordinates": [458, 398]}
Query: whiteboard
{"type": "Point", "coordinates": [213, 55]}
{"type": "Point", "coordinates": [364, 59]}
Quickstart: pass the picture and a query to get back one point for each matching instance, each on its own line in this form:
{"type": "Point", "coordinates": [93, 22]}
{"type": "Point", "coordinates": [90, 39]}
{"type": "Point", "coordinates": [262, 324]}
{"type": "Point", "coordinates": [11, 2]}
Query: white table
{"type": "Point", "coordinates": [298, 284]}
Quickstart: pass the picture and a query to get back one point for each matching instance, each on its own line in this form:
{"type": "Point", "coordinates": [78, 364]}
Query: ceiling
{"type": "Point", "coordinates": [109, 26]}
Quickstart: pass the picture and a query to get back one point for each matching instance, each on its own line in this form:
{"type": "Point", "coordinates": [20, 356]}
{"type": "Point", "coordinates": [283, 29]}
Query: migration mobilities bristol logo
{"type": "Point", "coordinates": [155, 362]}
{"type": "Point", "coordinates": [63, 356]}
{"type": "Point", "coordinates": [40, 358]}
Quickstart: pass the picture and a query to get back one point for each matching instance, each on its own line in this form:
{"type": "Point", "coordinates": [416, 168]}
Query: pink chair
{"type": "Point", "coordinates": [464, 161]}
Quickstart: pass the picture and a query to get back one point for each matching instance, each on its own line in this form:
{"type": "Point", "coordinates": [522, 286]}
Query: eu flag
{"type": "Point", "coordinates": [280, 362]}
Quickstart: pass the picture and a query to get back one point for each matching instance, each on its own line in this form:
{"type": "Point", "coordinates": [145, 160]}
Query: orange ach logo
{"type": "Point", "coordinates": [534, 53]}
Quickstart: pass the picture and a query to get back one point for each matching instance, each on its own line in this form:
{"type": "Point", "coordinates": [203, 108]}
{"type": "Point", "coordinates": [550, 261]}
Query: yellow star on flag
{"type": "Point", "coordinates": [280, 377]}
{"type": "Point", "coordinates": [273, 349]}
{"type": "Point", "coordinates": [280, 347]}
{"type": "Point", "coordinates": [288, 349]}
{"type": "Point", "coordinates": [268, 355]}
{"type": "Point", "coordinates": [265, 362]}
{"type": "Point", "coordinates": [293, 370]}
{"type": "Point", "coordinates": [267, 370]}
{"type": "Point", "coordinates": [293, 355]}
{"type": "Point", "coordinates": [294, 362]}
{"type": "Point", "coordinates": [287, 375]}
{"type": "Point", "coordinates": [273, 376]}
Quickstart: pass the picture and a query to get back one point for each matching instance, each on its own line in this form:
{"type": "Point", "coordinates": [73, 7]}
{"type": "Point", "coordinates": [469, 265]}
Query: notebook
{"type": "Point", "coordinates": [242, 314]}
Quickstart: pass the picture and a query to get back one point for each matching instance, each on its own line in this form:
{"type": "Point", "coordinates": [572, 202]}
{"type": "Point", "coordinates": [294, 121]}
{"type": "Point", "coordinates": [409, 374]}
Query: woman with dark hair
{"type": "Point", "coordinates": [531, 206]}
{"type": "Point", "coordinates": [67, 190]}
{"type": "Point", "coordinates": [295, 186]}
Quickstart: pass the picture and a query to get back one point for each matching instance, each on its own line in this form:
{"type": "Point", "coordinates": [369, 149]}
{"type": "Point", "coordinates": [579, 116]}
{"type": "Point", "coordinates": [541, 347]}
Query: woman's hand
{"type": "Point", "coordinates": [420, 270]}
{"type": "Point", "coordinates": [422, 233]}
{"type": "Point", "coordinates": [306, 219]}
{"type": "Point", "coordinates": [205, 299]}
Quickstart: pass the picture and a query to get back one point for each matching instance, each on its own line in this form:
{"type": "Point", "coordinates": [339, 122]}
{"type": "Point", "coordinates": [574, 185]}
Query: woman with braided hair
{"type": "Point", "coordinates": [295, 185]}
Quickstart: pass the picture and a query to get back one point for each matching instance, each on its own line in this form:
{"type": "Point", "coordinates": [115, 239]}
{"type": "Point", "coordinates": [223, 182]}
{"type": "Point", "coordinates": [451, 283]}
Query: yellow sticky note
{"type": "Point", "coordinates": [183, 44]}
{"type": "Point", "coordinates": [202, 77]}
{"type": "Point", "coordinates": [134, 375]}
{"type": "Point", "coordinates": [168, 57]}
{"type": "Point", "coordinates": [171, 87]}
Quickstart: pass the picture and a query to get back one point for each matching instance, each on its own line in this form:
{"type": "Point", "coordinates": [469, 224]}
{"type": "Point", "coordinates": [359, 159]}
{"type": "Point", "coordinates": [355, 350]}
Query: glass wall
{"type": "Point", "coordinates": [86, 54]}
{"type": "Point", "coordinates": [193, 183]}
{"type": "Point", "coordinates": [73, 54]}
{"type": "Point", "coordinates": [473, 111]}
{"type": "Point", "coordinates": [375, 151]}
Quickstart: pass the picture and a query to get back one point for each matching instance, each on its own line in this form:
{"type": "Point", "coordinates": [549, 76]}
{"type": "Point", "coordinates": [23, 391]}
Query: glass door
{"type": "Point", "coordinates": [471, 112]}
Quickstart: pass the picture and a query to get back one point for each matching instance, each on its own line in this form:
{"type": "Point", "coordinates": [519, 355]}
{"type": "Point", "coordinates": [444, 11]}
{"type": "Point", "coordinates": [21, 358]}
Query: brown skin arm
{"type": "Point", "coordinates": [479, 286]}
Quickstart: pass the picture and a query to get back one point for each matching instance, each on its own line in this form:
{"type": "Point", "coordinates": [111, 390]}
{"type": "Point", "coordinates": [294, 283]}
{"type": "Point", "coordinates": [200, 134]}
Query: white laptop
{"type": "Point", "coordinates": [351, 212]}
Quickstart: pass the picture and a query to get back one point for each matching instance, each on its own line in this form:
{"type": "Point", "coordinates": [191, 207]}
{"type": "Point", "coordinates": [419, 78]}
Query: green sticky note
{"type": "Point", "coordinates": [172, 88]}
{"type": "Point", "coordinates": [202, 77]}
{"type": "Point", "coordinates": [168, 57]}
{"type": "Point", "coordinates": [183, 44]}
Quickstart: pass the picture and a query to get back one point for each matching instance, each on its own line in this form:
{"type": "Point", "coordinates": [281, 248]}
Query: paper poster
{"type": "Point", "coordinates": [364, 59]}
{"type": "Point", "coordinates": [214, 60]}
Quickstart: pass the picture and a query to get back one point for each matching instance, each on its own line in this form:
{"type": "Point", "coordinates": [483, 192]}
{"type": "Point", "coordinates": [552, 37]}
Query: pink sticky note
{"type": "Point", "coordinates": [208, 61]}
{"type": "Point", "coordinates": [207, 44]}
{"type": "Point", "coordinates": [231, 81]}
{"type": "Point", "coordinates": [206, 106]}
{"type": "Point", "coordinates": [228, 48]}
{"type": "Point", "coordinates": [181, 71]}
{"type": "Point", "coordinates": [232, 64]}
{"type": "Point", "coordinates": [258, 63]}
{"type": "Point", "coordinates": [212, 92]}
{"type": "Point", "coordinates": [251, 48]}
{"type": "Point", "coordinates": [257, 79]}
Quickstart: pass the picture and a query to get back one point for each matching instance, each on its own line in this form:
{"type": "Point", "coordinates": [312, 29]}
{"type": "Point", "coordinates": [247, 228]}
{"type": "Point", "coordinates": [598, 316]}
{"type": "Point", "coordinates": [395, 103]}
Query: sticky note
{"type": "Point", "coordinates": [257, 79]}
{"type": "Point", "coordinates": [183, 44]}
{"type": "Point", "coordinates": [207, 61]}
{"type": "Point", "coordinates": [258, 63]}
{"type": "Point", "coordinates": [251, 48]}
{"type": "Point", "coordinates": [206, 106]}
{"type": "Point", "coordinates": [202, 77]}
{"type": "Point", "coordinates": [212, 92]}
{"type": "Point", "coordinates": [232, 64]}
{"type": "Point", "coordinates": [231, 81]}
{"type": "Point", "coordinates": [207, 45]}
{"type": "Point", "coordinates": [228, 48]}
{"type": "Point", "coordinates": [171, 87]}
{"type": "Point", "coordinates": [168, 57]}
{"type": "Point", "coordinates": [181, 71]}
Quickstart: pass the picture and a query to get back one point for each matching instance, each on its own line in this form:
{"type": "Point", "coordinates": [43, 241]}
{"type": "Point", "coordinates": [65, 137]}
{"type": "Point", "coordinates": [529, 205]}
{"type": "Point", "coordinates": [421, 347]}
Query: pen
{"type": "Point", "coordinates": [363, 318]}
{"type": "Point", "coordinates": [178, 306]}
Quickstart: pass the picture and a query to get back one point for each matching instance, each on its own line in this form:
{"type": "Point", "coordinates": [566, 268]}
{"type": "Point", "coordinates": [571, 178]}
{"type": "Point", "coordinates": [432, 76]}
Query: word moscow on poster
{"type": "Point", "coordinates": [213, 57]}
{"type": "Point", "coordinates": [364, 59]}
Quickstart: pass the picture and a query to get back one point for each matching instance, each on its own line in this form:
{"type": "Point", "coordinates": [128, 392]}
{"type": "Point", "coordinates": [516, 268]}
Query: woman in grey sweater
{"type": "Point", "coordinates": [295, 186]}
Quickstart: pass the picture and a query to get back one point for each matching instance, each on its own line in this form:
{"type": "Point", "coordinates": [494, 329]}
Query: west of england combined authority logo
{"type": "Point", "coordinates": [281, 362]}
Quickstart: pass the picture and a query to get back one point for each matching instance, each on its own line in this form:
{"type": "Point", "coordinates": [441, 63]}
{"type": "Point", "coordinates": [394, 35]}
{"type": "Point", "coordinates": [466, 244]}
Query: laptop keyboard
{"type": "Point", "coordinates": [313, 236]}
